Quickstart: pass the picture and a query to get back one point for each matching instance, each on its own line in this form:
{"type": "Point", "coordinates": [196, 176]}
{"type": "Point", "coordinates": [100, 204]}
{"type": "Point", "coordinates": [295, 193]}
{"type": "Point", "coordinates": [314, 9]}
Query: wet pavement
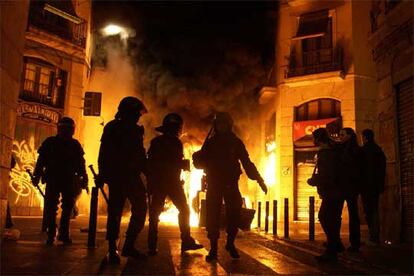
{"type": "Point", "coordinates": [261, 254]}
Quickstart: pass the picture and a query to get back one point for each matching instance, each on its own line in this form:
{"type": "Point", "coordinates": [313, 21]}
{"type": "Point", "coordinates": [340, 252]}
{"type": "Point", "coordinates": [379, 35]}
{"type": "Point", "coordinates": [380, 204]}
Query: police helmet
{"type": "Point", "coordinates": [131, 104]}
{"type": "Point", "coordinates": [223, 118]}
{"type": "Point", "coordinates": [66, 127]}
{"type": "Point", "coordinates": [171, 122]}
{"type": "Point", "coordinates": [66, 122]}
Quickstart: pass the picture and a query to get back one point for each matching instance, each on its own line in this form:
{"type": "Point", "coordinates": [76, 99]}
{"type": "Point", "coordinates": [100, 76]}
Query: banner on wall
{"type": "Point", "coordinates": [302, 130]}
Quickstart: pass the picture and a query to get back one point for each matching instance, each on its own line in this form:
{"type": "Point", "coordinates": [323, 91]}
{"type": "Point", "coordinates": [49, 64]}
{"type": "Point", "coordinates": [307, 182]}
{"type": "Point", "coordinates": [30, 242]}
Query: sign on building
{"type": "Point", "coordinates": [92, 104]}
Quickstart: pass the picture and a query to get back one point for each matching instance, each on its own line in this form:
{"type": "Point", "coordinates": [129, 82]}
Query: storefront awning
{"type": "Point", "coordinates": [312, 26]}
{"type": "Point", "coordinates": [302, 130]}
{"type": "Point", "coordinates": [66, 11]}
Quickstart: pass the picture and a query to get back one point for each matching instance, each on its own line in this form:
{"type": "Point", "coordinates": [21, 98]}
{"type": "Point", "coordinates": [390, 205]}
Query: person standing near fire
{"type": "Point", "coordinates": [350, 180]}
{"type": "Point", "coordinates": [374, 173]}
{"type": "Point", "coordinates": [61, 166]}
{"type": "Point", "coordinates": [325, 178]}
{"type": "Point", "coordinates": [220, 157]}
{"type": "Point", "coordinates": [165, 162]}
{"type": "Point", "coordinates": [121, 160]}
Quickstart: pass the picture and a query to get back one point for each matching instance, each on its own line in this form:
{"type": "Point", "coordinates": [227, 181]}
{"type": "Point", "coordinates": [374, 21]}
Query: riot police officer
{"type": "Point", "coordinates": [62, 167]}
{"type": "Point", "coordinates": [165, 162]}
{"type": "Point", "coordinates": [121, 160]}
{"type": "Point", "coordinates": [220, 156]}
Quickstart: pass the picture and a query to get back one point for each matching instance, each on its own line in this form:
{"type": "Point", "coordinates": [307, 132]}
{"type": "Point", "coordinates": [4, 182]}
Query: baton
{"type": "Point", "coordinates": [33, 183]}
{"type": "Point", "coordinates": [95, 176]}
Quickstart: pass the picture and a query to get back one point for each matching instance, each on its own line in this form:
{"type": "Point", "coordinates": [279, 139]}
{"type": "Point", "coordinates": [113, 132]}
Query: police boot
{"type": "Point", "coordinates": [51, 235]}
{"type": "Point", "coordinates": [64, 236]}
{"type": "Point", "coordinates": [231, 248]}
{"type": "Point", "coordinates": [189, 244]}
{"type": "Point", "coordinates": [212, 255]}
{"type": "Point", "coordinates": [65, 239]}
{"type": "Point", "coordinates": [129, 250]}
{"type": "Point", "coordinates": [113, 256]}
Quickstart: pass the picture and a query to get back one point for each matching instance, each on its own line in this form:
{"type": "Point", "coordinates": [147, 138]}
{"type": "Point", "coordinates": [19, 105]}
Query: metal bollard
{"type": "Point", "coordinates": [274, 217]}
{"type": "Point", "coordinates": [93, 215]}
{"type": "Point", "coordinates": [267, 217]}
{"type": "Point", "coordinates": [286, 218]}
{"type": "Point", "coordinates": [259, 214]}
{"type": "Point", "coordinates": [311, 218]}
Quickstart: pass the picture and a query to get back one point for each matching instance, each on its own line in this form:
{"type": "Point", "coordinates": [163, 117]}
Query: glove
{"type": "Point", "coordinates": [99, 181]}
{"type": "Point", "coordinates": [262, 185]}
{"type": "Point", "coordinates": [36, 180]}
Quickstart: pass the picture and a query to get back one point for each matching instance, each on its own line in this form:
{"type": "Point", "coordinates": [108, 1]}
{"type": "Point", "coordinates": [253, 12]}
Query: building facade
{"type": "Point", "coordinates": [324, 78]}
{"type": "Point", "coordinates": [391, 40]}
{"type": "Point", "coordinates": [343, 64]}
{"type": "Point", "coordinates": [55, 71]}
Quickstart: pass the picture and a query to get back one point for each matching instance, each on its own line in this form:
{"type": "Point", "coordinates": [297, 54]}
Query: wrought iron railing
{"type": "Point", "coordinates": [315, 62]}
{"type": "Point", "coordinates": [72, 32]}
{"type": "Point", "coordinates": [41, 93]}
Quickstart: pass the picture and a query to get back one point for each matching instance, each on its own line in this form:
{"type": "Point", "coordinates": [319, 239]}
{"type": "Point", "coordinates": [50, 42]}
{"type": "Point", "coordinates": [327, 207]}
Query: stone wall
{"type": "Point", "coordinates": [392, 52]}
{"type": "Point", "coordinates": [13, 18]}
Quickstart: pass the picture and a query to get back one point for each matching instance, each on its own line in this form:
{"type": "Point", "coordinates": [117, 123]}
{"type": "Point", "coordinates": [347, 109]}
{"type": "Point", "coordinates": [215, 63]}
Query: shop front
{"type": "Point", "coordinates": [305, 156]}
{"type": "Point", "coordinates": [35, 122]}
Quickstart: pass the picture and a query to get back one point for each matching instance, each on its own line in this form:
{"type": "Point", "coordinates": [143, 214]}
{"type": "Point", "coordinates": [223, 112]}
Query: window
{"type": "Point", "coordinates": [312, 25]}
{"type": "Point", "coordinates": [313, 109]}
{"type": "Point", "coordinates": [318, 109]}
{"type": "Point", "coordinates": [317, 41]}
{"type": "Point", "coordinates": [318, 50]}
{"type": "Point", "coordinates": [312, 49]}
{"type": "Point", "coordinates": [43, 83]}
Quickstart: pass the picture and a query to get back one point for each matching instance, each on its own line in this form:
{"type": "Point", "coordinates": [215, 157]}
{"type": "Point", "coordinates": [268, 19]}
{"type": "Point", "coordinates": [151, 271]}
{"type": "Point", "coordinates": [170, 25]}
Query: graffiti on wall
{"type": "Point", "coordinates": [20, 183]}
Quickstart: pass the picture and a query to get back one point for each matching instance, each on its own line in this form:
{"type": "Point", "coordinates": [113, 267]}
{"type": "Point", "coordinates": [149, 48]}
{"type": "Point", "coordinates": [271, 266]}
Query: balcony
{"type": "Point", "coordinates": [314, 62]}
{"type": "Point", "coordinates": [73, 30]}
{"type": "Point", "coordinates": [41, 93]}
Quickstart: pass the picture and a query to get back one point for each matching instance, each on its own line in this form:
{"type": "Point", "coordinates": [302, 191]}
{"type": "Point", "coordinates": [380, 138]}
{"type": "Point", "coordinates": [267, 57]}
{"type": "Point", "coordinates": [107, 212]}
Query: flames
{"type": "Point", "coordinates": [192, 186]}
{"type": "Point", "coordinates": [270, 164]}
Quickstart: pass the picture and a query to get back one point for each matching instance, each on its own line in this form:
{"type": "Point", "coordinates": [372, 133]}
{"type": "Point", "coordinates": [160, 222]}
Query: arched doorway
{"type": "Point", "coordinates": [309, 116]}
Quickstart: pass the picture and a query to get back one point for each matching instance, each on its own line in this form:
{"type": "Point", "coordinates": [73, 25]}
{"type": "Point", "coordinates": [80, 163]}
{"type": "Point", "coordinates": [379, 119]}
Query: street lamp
{"type": "Point", "coordinates": [113, 29]}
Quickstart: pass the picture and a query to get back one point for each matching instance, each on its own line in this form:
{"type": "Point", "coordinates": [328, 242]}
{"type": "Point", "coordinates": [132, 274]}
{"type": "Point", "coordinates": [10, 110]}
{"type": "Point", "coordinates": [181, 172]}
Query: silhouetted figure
{"type": "Point", "coordinates": [220, 156]}
{"type": "Point", "coordinates": [350, 179]}
{"type": "Point", "coordinates": [62, 167]}
{"type": "Point", "coordinates": [325, 178]}
{"type": "Point", "coordinates": [121, 160]}
{"type": "Point", "coordinates": [374, 165]}
{"type": "Point", "coordinates": [165, 162]}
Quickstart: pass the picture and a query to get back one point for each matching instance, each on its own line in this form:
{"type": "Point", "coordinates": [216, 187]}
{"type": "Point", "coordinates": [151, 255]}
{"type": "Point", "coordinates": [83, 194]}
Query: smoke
{"type": "Point", "coordinates": [113, 75]}
{"type": "Point", "coordinates": [227, 86]}
{"type": "Point", "coordinates": [192, 59]}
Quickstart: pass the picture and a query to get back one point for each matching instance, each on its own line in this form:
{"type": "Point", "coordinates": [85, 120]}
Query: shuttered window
{"type": "Point", "coordinates": [405, 114]}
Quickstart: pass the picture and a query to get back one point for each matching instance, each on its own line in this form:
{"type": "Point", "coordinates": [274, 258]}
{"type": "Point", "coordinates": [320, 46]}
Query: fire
{"type": "Point", "coordinates": [270, 164]}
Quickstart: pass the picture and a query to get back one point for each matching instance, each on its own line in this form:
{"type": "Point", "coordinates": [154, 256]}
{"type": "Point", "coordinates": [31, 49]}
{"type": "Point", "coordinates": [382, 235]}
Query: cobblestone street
{"type": "Point", "coordinates": [260, 255]}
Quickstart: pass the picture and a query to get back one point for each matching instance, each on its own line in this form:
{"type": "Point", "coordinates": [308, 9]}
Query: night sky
{"type": "Point", "coordinates": [197, 57]}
